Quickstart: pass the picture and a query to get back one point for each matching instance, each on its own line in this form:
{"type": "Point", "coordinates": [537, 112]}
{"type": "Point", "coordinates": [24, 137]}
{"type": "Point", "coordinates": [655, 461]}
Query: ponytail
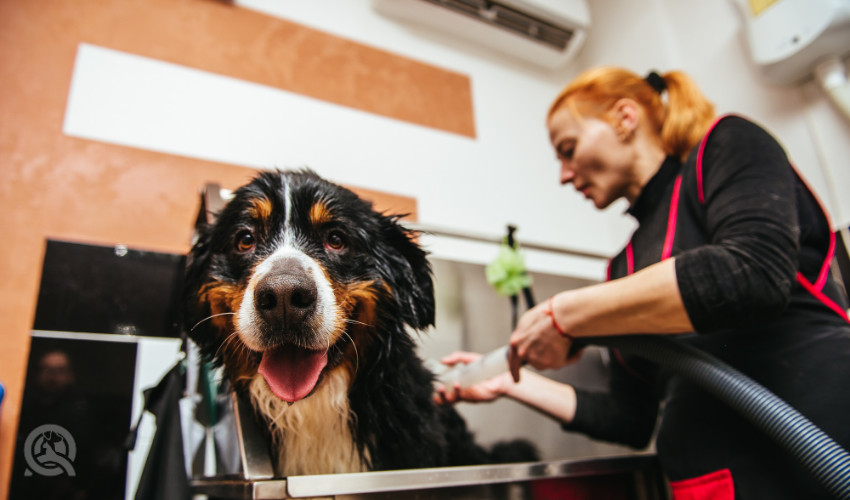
{"type": "Point", "coordinates": [689, 114]}
{"type": "Point", "coordinates": [680, 123]}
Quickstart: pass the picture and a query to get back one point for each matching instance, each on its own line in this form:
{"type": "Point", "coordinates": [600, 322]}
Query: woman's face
{"type": "Point", "coordinates": [593, 158]}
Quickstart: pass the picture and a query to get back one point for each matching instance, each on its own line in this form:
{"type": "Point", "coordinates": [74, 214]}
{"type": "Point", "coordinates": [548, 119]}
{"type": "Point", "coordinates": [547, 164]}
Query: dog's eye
{"type": "Point", "coordinates": [335, 241]}
{"type": "Point", "coordinates": [245, 241]}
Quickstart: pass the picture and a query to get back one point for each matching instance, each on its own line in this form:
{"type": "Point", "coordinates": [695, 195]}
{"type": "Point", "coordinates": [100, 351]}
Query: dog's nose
{"type": "Point", "coordinates": [284, 299]}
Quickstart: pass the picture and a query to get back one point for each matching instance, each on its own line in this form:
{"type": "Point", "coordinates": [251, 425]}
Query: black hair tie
{"type": "Point", "coordinates": [656, 81]}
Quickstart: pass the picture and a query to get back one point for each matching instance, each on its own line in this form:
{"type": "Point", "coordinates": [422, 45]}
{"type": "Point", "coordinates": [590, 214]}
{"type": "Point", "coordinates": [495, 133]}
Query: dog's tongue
{"type": "Point", "coordinates": [291, 371]}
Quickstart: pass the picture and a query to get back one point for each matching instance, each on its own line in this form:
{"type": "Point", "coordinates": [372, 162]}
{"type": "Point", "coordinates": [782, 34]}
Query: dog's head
{"type": "Point", "coordinates": [299, 276]}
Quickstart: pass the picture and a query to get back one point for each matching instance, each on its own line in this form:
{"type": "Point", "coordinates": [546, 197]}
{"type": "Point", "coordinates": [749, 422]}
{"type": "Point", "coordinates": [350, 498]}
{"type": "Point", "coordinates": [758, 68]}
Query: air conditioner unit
{"type": "Point", "coordinates": [547, 33]}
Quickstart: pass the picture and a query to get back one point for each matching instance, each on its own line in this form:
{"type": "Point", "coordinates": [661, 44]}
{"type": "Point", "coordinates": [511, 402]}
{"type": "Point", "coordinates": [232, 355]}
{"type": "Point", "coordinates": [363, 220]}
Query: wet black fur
{"type": "Point", "coordinates": [394, 416]}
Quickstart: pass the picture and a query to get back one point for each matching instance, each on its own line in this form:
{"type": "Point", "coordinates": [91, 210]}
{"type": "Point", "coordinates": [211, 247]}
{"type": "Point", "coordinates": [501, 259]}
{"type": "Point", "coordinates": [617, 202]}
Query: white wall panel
{"type": "Point", "coordinates": [506, 175]}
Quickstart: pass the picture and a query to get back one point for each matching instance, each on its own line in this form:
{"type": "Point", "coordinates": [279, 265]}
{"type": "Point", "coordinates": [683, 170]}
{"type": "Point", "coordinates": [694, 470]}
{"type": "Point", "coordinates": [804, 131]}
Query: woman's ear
{"type": "Point", "coordinates": [625, 116]}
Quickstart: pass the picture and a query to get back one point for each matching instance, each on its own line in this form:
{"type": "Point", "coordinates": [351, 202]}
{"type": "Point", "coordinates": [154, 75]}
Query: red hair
{"type": "Point", "coordinates": [680, 123]}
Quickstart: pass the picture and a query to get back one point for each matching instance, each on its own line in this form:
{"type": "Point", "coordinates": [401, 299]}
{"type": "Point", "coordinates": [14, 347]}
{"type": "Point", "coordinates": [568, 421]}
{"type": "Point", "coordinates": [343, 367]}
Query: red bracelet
{"type": "Point", "coordinates": [551, 313]}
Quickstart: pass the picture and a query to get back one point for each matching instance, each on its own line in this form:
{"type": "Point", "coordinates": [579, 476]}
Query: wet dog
{"type": "Point", "coordinates": [306, 295]}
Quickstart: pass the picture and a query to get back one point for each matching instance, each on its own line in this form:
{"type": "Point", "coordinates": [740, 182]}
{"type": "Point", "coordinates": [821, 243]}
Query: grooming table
{"type": "Point", "coordinates": [628, 477]}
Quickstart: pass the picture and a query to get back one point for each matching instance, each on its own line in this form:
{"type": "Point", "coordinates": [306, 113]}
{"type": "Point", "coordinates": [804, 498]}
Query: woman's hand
{"type": "Point", "coordinates": [538, 341]}
{"type": "Point", "coordinates": [536, 391]}
{"type": "Point", "coordinates": [481, 392]}
{"type": "Point", "coordinates": [646, 302]}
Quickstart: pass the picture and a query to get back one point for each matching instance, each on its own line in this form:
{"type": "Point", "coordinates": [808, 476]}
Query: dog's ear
{"type": "Point", "coordinates": [197, 262]}
{"type": "Point", "coordinates": [406, 269]}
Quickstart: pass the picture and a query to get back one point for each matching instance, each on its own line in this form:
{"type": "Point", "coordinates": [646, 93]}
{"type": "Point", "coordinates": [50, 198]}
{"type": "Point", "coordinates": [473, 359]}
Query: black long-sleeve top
{"type": "Point", "coordinates": [751, 245]}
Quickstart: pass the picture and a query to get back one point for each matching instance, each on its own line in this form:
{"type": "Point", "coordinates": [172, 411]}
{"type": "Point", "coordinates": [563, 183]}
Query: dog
{"type": "Point", "coordinates": [306, 295]}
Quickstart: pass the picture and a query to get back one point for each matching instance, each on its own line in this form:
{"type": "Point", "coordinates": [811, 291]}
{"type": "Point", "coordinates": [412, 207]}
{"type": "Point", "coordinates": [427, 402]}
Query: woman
{"type": "Point", "coordinates": [730, 245]}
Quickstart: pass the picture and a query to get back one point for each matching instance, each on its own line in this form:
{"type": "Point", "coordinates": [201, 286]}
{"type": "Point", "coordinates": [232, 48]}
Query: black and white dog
{"type": "Point", "coordinates": [303, 292]}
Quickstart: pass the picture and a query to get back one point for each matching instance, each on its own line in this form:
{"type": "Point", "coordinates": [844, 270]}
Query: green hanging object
{"type": "Point", "coordinates": [209, 392]}
{"type": "Point", "coordinates": [507, 273]}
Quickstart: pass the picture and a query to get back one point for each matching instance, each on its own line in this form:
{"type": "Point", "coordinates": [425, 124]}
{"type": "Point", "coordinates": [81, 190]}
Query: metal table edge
{"type": "Point", "coordinates": [329, 485]}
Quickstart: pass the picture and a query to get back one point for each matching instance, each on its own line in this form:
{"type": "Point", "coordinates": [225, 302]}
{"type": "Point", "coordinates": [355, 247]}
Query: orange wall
{"type": "Point", "coordinates": [54, 186]}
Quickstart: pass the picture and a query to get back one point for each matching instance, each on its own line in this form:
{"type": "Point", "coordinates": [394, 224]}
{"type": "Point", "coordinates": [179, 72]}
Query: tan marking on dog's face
{"type": "Point", "coordinates": [356, 304]}
{"type": "Point", "coordinates": [223, 299]}
{"type": "Point", "coordinates": [358, 317]}
{"type": "Point", "coordinates": [319, 214]}
{"type": "Point", "coordinates": [261, 209]}
{"type": "Point", "coordinates": [360, 300]}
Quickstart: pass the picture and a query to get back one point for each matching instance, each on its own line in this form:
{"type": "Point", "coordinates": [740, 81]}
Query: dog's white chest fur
{"type": "Point", "coordinates": [312, 435]}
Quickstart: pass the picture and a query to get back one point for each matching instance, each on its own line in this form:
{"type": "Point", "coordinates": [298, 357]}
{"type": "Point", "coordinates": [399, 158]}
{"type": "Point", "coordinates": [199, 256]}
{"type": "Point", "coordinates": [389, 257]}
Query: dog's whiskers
{"type": "Point", "coordinates": [211, 317]}
{"type": "Point", "coordinates": [356, 353]}
{"type": "Point", "coordinates": [355, 322]}
{"type": "Point", "coordinates": [227, 340]}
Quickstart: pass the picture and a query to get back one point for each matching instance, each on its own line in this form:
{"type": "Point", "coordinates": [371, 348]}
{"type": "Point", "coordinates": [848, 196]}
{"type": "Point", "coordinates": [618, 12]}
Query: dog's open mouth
{"type": "Point", "coordinates": [291, 371]}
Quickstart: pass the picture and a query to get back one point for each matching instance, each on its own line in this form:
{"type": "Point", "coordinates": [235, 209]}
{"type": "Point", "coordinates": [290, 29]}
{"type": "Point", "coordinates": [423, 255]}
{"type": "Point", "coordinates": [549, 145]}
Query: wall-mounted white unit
{"type": "Point", "coordinates": [788, 38]}
{"type": "Point", "coordinates": [547, 33]}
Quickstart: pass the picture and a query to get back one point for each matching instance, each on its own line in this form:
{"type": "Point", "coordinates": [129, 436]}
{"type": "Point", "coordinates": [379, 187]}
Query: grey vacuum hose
{"type": "Point", "coordinates": [815, 450]}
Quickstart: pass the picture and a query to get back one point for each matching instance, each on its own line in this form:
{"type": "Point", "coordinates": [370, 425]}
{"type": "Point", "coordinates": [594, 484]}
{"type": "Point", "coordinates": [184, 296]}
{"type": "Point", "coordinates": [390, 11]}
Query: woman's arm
{"type": "Point", "coordinates": [555, 399]}
{"type": "Point", "coordinates": [625, 414]}
{"type": "Point", "coordinates": [647, 302]}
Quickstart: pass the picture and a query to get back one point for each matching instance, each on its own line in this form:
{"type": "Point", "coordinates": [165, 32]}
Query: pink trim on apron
{"type": "Point", "coordinates": [700, 189]}
{"type": "Point", "coordinates": [716, 485]}
{"type": "Point", "coordinates": [672, 215]}
{"type": "Point", "coordinates": [821, 297]}
{"type": "Point", "coordinates": [630, 259]}
{"type": "Point", "coordinates": [824, 270]}
{"type": "Point", "coordinates": [671, 220]}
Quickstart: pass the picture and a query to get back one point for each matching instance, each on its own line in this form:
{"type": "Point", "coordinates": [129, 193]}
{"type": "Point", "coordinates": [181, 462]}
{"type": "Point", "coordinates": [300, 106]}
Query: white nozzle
{"type": "Point", "coordinates": [831, 75]}
{"type": "Point", "coordinates": [486, 367]}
